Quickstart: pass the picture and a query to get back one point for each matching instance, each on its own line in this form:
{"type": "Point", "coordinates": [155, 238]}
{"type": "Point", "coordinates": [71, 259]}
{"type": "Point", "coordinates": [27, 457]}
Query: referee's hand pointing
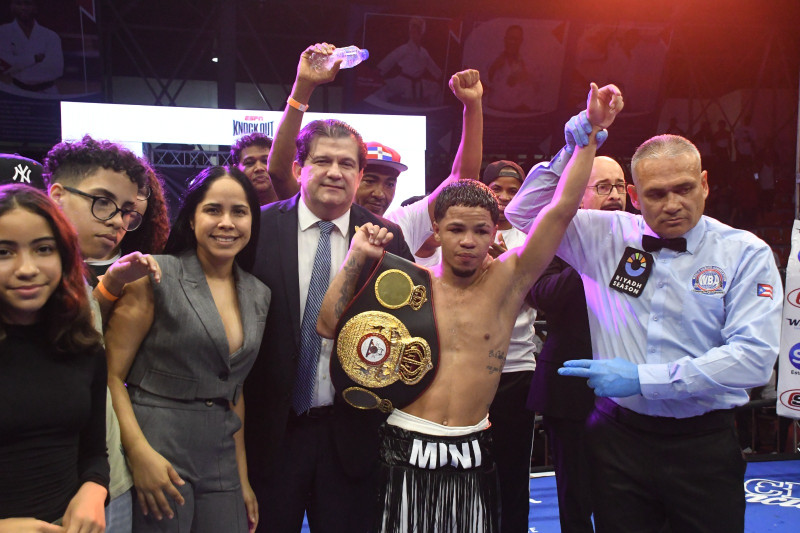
{"type": "Point", "coordinates": [616, 377]}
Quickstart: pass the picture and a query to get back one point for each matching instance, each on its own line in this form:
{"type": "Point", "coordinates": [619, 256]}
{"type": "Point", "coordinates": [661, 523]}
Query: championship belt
{"type": "Point", "coordinates": [387, 347]}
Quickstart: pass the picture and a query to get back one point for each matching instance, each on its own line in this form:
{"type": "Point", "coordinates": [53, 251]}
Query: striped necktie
{"type": "Point", "coordinates": [310, 341]}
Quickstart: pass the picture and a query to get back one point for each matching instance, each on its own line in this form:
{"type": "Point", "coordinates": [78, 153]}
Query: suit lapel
{"type": "Point", "coordinates": [287, 258]}
{"type": "Point", "coordinates": [246, 296]}
{"type": "Point", "coordinates": [195, 287]}
{"type": "Point", "coordinates": [356, 219]}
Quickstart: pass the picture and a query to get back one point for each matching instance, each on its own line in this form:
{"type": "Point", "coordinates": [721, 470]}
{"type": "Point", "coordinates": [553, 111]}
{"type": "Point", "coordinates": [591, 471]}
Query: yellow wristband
{"type": "Point", "coordinates": [105, 292]}
{"type": "Point", "coordinates": [297, 105]}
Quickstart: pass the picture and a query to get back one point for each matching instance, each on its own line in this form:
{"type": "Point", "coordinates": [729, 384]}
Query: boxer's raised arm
{"type": "Point", "coordinates": [368, 243]}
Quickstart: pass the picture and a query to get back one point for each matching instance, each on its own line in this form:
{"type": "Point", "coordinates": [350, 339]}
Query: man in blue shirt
{"type": "Point", "coordinates": [565, 403]}
{"type": "Point", "coordinates": [684, 313]}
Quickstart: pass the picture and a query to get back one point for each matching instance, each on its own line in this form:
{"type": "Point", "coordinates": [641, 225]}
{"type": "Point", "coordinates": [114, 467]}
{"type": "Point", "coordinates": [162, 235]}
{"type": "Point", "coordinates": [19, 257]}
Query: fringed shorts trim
{"type": "Point", "coordinates": [437, 483]}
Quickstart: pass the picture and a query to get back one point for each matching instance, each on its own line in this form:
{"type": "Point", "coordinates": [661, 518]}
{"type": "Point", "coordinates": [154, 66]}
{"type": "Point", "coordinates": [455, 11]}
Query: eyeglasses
{"type": "Point", "coordinates": [143, 193]}
{"type": "Point", "coordinates": [604, 189]}
{"type": "Point", "coordinates": [104, 208]}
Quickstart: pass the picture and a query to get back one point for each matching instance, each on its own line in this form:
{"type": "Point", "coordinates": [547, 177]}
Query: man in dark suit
{"type": "Point", "coordinates": [566, 403]}
{"type": "Point", "coordinates": [319, 459]}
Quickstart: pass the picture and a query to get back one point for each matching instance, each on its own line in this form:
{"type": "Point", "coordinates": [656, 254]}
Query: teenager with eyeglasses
{"type": "Point", "coordinates": [97, 184]}
{"type": "Point", "coordinates": [151, 235]}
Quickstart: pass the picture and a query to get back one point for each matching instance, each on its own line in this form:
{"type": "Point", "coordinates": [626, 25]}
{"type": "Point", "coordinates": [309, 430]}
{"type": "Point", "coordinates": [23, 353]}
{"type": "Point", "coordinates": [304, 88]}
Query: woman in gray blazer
{"type": "Point", "coordinates": [183, 348]}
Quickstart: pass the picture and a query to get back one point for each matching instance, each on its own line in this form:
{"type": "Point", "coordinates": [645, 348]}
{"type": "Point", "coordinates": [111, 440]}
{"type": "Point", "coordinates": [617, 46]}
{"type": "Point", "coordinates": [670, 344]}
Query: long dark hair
{"type": "Point", "coordinates": [66, 316]}
{"type": "Point", "coordinates": [151, 236]}
{"type": "Point", "coordinates": [182, 238]}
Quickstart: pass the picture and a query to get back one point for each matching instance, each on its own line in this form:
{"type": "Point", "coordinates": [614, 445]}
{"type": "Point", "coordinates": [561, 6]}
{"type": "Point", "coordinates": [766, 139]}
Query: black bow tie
{"type": "Point", "coordinates": [652, 244]}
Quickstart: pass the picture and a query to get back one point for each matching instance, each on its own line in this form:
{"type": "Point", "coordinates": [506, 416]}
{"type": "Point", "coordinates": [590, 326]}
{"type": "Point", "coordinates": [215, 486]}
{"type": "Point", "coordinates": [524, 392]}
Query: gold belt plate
{"type": "Point", "coordinates": [375, 349]}
{"type": "Point", "coordinates": [394, 289]}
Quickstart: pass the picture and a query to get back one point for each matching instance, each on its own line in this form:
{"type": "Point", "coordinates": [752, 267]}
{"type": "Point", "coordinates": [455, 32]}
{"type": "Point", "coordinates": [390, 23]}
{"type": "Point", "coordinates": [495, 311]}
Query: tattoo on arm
{"type": "Point", "coordinates": [497, 354]}
{"type": "Point", "coordinates": [351, 271]}
{"type": "Point", "coordinates": [500, 355]}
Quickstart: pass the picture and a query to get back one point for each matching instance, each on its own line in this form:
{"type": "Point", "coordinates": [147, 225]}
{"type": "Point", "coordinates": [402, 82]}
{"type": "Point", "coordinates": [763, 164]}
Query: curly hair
{"type": "Point", "coordinates": [71, 162]}
{"type": "Point", "coordinates": [246, 141]}
{"type": "Point", "coordinates": [182, 238]}
{"type": "Point", "coordinates": [335, 129]}
{"type": "Point", "coordinates": [67, 316]}
{"type": "Point", "coordinates": [151, 236]}
{"type": "Point", "coordinates": [466, 193]}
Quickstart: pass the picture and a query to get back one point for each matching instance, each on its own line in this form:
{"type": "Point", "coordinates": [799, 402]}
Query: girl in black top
{"type": "Point", "coordinates": [53, 465]}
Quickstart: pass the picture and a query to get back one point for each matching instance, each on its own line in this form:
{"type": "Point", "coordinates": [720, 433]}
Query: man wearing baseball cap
{"type": "Point", "coordinates": [377, 187]}
{"type": "Point", "coordinates": [504, 178]}
{"type": "Point", "coordinates": [512, 423]}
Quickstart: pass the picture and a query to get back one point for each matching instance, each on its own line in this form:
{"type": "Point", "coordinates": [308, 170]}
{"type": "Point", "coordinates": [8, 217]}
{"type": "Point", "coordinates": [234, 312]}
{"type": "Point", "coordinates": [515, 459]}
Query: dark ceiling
{"type": "Point", "coordinates": [721, 42]}
{"type": "Point", "coordinates": [716, 47]}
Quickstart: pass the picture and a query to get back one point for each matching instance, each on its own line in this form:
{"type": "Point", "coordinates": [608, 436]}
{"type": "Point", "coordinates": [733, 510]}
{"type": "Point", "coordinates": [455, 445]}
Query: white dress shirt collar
{"type": "Point", "coordinates": [306, 219]}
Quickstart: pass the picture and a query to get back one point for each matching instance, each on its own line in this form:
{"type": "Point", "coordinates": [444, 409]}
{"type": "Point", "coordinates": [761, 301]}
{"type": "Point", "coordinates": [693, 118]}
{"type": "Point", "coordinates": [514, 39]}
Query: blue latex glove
{"type": "Point", "coordinates": [577, 130]}
{"type": "Point", "coordinates": [616, 377]}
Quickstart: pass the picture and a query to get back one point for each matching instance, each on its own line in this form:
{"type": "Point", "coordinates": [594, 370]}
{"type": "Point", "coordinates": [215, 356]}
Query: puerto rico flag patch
{"type": "Point", "coordinates": [764, 290]}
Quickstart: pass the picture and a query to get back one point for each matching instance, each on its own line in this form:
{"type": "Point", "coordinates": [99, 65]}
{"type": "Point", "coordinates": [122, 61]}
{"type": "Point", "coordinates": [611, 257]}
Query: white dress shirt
{"type": "Point", "coordinates": [307, 240]}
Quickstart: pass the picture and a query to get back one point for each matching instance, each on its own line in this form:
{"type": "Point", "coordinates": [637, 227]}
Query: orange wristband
{"type": "Point", "coordinates": [297, 105]}
{"type": "Point", "coordinates": [105, 292]}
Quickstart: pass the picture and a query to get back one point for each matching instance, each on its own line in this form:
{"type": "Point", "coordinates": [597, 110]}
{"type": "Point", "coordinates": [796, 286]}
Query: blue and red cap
{"type": "Point", "coordinates": [382, 155]}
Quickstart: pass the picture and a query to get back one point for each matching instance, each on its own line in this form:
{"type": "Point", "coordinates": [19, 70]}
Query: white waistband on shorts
{"type": "Point", "coordinates": [409, 422]}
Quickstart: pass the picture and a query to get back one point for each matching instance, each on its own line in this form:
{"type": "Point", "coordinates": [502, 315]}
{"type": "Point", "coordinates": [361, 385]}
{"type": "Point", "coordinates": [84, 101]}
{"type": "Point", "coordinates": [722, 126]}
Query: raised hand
{"type": "Point", "coordinates": [308, 74]}
{"type": "Point", "coordinates": [577, 130]}
{"type": "Point", "coordinates": [498, 248]}
{"type": "Point", "coordinates": [370, 240]}
{"type": "Point", "coordinates": [616, 377]}
{"type": "Point", "coordinates": [367, 243]}
{"type": "Point", "coordinates": [466, 85]}
{"type": "Point", "coordinates": [603, 105]}
{"type": "Point", "coordinates": [128, 269]}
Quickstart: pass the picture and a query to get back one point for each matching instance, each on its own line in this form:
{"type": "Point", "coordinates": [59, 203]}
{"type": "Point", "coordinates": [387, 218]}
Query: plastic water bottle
{"type": "Point", "coordinates": [350, 56]}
